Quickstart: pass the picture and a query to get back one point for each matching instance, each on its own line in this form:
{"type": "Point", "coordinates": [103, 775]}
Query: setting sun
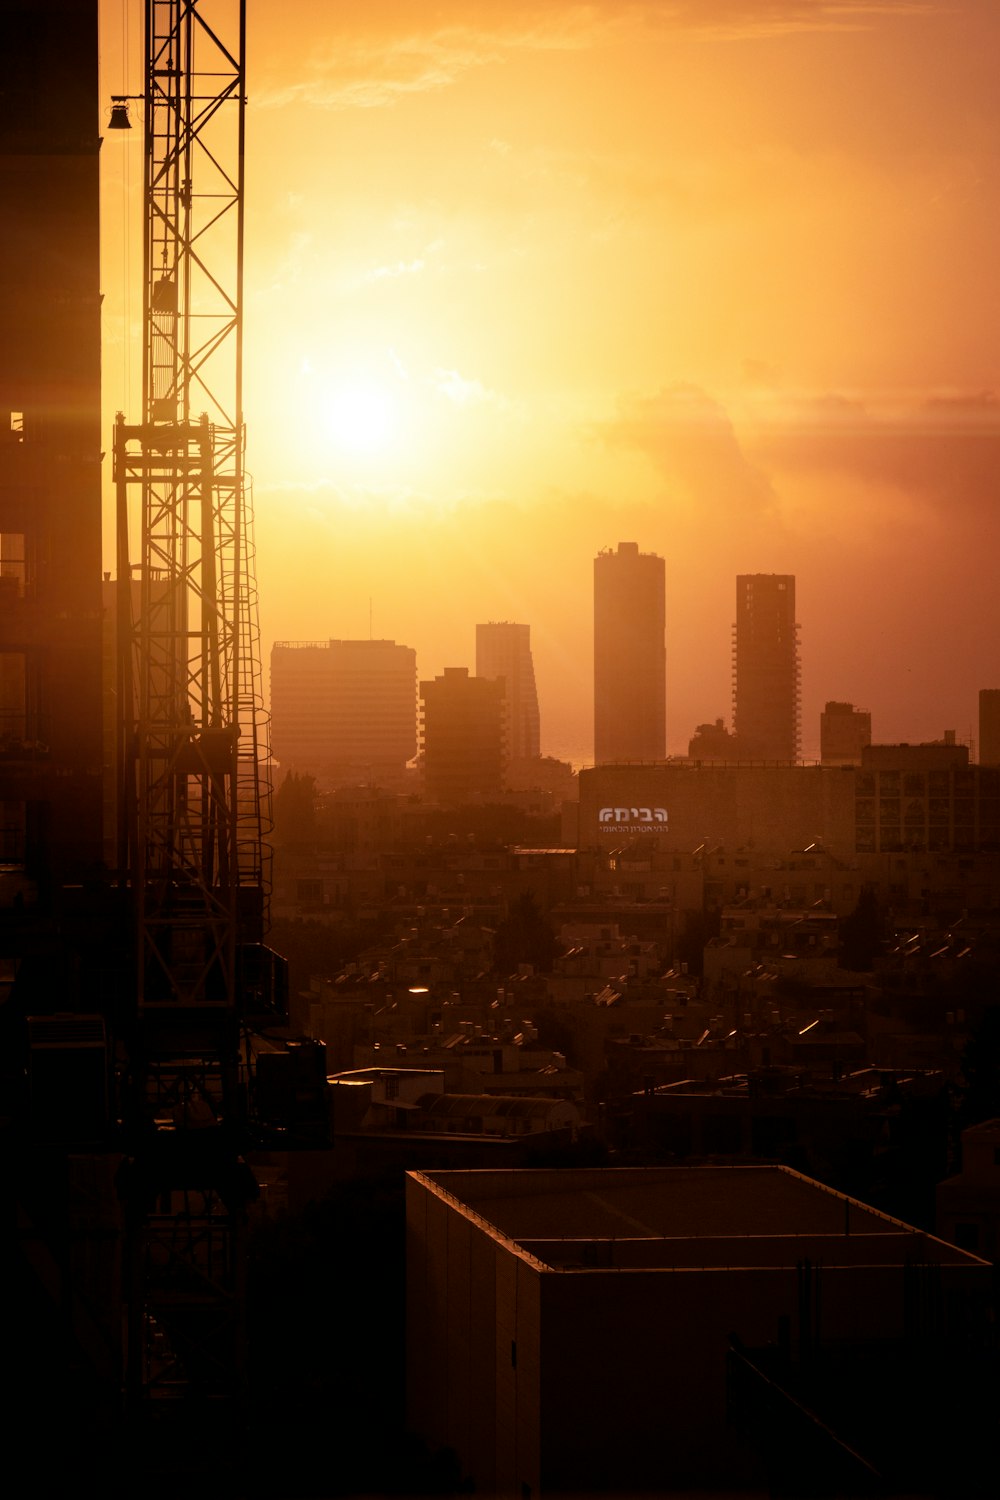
{"type": "Point", "coordinates": [361, 417]}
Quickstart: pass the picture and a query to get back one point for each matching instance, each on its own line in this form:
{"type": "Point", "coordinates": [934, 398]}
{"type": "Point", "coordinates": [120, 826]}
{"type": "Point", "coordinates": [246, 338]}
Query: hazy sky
{"type": "Point", "coordinates": [528, 278]}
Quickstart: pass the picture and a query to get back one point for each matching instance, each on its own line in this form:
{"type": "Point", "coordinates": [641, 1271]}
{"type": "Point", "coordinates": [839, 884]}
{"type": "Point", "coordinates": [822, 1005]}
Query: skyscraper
{"type": "Point", "coordinates": [629, 656]}
{"type": "Point", "coordinates": [344, 710]}
{"type": "Point", "coordinates": [766, 667]}
{"type": "Point", "coordinates": [503, 649]}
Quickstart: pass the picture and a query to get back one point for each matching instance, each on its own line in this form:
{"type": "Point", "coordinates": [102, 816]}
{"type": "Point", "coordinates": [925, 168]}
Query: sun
{"type": "Point", "coordinates": [361, 417]}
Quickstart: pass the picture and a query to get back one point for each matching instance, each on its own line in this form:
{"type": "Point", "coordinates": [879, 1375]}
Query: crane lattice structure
{"type": "Point", "coordinates": [193, 807]}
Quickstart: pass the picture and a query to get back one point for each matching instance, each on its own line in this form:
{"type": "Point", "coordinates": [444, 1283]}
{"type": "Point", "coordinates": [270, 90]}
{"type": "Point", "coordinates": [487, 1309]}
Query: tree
{"type": "Point", "coordinates": [862, 933]}
{"type": "Point", "coordinates": [525, 936]}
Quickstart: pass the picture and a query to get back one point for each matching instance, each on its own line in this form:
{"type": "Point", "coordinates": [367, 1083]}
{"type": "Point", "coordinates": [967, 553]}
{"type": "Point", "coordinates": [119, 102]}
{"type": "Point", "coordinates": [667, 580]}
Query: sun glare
{"type": "Point", "coordinates": [361, 418]}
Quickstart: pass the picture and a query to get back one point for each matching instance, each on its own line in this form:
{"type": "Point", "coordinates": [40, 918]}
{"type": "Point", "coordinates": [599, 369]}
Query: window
{"type": "Point", "coordinates": [13, 699]}
{"type": "Point", "coordinates": [12, 830]}
{"type": "Point", "coordinates": [12, 565]}
{"type": "Point", "coordinates": [17, 426]}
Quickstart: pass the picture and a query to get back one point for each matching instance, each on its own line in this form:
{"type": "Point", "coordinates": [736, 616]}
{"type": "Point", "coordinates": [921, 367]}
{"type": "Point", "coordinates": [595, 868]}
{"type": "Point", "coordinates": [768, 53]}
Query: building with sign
{"type": "Point", "coordinates": [684, 805]}
{"type": "Point", "coordinates": [629, 656]}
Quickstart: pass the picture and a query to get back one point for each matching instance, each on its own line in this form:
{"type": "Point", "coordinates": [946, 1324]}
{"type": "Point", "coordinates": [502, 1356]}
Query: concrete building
{"type": "Point", "coordinates": [574, 1330]}
{"type": "Point", "coordinates": [844, 731]}
{"type": "Point", "coordinates": [766, 667]}
{"type": "Point", "coordinates": [463, 737]}
{"type": "Point", "coordinates": [50, 451]}
{"type": "Point", "coordinates": [989, 726]}
{"type": "Point", "coordinates": [629, 656]}
{"type": "Point", "coordinates": [925, 797]}
{"type": "Point", "coordinates": [503, 650]}
{"type": "Point", "coordinates": [684, 806]}
{"type": "Point", "coordinates": [344, 711]}
{"type": "Point", "coordinates": [968, 1205]}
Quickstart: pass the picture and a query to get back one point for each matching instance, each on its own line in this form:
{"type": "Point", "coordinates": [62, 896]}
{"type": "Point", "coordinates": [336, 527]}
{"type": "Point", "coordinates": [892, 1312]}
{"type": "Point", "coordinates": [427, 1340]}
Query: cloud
{"type": "Point", "coordinates": [375, 56]}
{"type": "Point", "coordinates": [691, 440]}
{"type": "Point", "coordinates": [942, 450]}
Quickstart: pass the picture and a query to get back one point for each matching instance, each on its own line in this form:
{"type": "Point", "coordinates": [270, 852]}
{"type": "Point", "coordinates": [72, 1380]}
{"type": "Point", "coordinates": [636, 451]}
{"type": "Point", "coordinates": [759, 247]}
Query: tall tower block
{"type": "Point", "coordinates": [629, 656]}
{"type": "Point", "coordinates": [766, 666]}
{"type": "Point", "coordinates": [503, 649]}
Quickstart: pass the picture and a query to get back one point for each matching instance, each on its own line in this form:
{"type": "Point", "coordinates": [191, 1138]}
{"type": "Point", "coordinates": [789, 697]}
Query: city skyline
{"type": "Point", "coordinates": [523, 280]}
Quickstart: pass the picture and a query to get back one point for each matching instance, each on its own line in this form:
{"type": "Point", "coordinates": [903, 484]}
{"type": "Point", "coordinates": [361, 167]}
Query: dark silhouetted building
{"type": "Point", "coordinates": [989, 726]}
{"type": "Point", "coordinates": [629, 656]}
{"type": "Point", "coordinates": [345, 711]}
{"type": "Point", "coordinates": [766, 666]}
{"type": "Point", "coordinates": [844, 731]}
{"type": "Point", "coordinates": [573, 1327]}
{"type": "Point", "coordinates": [50, 441]}
{"type": "Point", "coordinates": [503, 649]}
{"type": "Point", "coordinates": [463, 737]}
{"type": "Point", "coordinates": [713, 742]}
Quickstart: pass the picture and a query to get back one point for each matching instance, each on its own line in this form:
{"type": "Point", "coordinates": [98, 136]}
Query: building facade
{"type": "Point", "coordinates": [50, 450]}
{"type": "Point", "coordinates": [629, 656]}
{"type": "Point", "coordinates": [766, 667]}
{"type": "Point", "coordinates": [989, 726]}
{"type": "Point", "coordinates": [844, 731]}
{"type": "Point", "coordinates": [344, 711]}
{"type": "Point", "coordinates": [503, 650]}
{"type": "Point", "coordinates": [463, 737]}
{"type": "Point", "coordinates": [916, 798]}
{"type": "Point", "coordinates": [572, 1330]}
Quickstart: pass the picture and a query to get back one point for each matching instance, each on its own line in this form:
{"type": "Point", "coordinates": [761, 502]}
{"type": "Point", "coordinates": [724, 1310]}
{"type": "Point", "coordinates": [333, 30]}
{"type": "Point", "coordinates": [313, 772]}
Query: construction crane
{"type": "Point", "coordinates": [193, 802]}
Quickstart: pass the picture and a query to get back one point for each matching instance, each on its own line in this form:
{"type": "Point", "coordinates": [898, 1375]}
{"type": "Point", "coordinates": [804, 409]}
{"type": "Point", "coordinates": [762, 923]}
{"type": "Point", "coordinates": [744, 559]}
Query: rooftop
{"type": "Point", "coordinates": [669, 1217]}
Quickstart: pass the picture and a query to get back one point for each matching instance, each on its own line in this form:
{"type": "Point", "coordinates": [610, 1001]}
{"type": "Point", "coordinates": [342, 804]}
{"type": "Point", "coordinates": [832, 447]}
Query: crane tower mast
{"type": "Point", "coordinates": [192, 806]}
{"type": "Point", "coordinates": [193, 809]}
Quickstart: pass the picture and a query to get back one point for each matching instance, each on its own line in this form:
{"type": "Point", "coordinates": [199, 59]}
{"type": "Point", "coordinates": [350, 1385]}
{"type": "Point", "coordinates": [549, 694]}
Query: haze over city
{"type": "Point", "coordinates": [527, 279]}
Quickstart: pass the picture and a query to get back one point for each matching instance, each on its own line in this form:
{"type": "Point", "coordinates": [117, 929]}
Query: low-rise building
{"type": "Point", "coordinates": [576, 1330]}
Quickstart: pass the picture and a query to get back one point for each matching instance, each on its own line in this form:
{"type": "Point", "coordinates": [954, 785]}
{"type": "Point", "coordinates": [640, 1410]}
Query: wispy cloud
{"type": "Point", "coordinates": [374, 57]}
{"type": "Point", "coordinates": [690, 438]}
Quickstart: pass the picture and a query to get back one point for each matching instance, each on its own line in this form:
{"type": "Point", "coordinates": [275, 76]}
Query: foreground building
{"type": "Point", "coordinates": [587, 1330]}
{"type": "Point", "coordinates": [50, 451]}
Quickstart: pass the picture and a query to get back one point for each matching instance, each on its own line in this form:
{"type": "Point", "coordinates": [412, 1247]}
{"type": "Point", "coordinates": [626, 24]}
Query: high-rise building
{"type": "Point", "coordinates": [844, 731]}
{"type": "Point", "coordinates": [989, 726]}
{"type": "Point", "coordinates": [766, 667]}
{"type": "Point", "coordinates": [463, 737]}
{"type": "Point", "coordinates": [629, 656]}
{"type": "Point", "coordinates": [344, 711]}
{"type": "Point", "coordinates": [503, 650]}
{"type": "Point", "coordinates": [50, 448]}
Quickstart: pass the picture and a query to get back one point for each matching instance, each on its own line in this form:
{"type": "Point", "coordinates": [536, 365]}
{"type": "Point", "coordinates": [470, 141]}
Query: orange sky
{"type": "Point", "coordinates": [524, 280]}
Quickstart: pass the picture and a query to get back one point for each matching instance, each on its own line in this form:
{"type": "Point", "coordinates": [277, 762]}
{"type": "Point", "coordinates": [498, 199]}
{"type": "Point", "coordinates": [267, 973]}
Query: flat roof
{"type": "Point", "coordinates": [530, 1207]}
